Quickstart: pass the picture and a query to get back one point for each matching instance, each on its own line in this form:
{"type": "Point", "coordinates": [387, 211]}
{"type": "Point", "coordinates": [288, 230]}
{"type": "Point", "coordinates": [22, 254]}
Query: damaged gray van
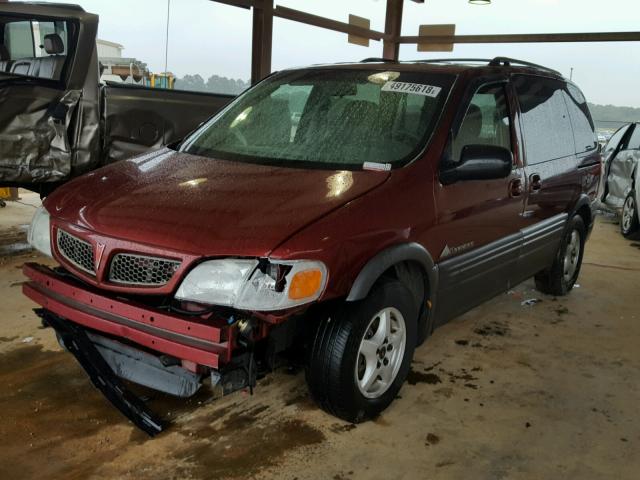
{"type": "Point", "coordinates": [57, 120]}
{"type": "Point", "coordinates": [622, 176]}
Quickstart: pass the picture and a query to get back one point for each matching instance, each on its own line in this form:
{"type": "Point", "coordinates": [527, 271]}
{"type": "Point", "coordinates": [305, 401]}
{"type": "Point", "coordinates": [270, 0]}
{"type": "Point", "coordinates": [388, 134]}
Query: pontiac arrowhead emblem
{"type": "Point", "coordinates": [98, 255]}
{"type": "Point", "coordinates": [448, 251]}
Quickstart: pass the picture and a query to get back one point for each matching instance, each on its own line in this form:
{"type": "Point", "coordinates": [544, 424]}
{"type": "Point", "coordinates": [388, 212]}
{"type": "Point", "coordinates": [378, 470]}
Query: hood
{"type": "Point", "coordinates": [204, 206]}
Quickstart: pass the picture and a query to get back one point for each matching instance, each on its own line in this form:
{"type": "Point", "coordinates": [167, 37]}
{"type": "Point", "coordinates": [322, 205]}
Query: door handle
{"type": "Point", "coordinates": [535, 182]}
{"type": "Point", "coordinates": [515, 187]}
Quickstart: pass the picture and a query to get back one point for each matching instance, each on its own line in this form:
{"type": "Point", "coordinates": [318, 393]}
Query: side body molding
{"type": "Point", "coordinates": [386, 259]}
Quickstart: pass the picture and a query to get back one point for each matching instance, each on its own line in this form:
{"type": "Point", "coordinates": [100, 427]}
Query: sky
{"type": "Point", "coordinates": [210, 38]}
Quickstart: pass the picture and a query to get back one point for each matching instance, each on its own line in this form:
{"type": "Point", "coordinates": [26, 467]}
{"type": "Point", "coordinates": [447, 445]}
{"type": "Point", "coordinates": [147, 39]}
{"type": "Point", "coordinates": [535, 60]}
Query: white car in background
{"type": "Point", "coordinates": [622, 176]}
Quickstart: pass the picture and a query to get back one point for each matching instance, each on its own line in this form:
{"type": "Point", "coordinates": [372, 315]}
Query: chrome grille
{"type": "Point", "coordinates": [141, 270]}
{"type": "Point", "coordinates": [76, 251]}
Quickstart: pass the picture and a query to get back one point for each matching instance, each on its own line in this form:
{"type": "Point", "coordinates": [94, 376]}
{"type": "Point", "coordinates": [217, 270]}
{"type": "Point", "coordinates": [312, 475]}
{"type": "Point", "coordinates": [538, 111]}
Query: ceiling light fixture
{"type": "Point", "coordinates": [480, 2]}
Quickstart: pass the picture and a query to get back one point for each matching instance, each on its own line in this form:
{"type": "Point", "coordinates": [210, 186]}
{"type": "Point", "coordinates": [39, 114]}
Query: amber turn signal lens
{"type": "Point", "coordinates": [305, 284]}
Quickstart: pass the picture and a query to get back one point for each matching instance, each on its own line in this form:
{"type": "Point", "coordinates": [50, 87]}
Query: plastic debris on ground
{"type": "Point", "coordinates": [529, 302]}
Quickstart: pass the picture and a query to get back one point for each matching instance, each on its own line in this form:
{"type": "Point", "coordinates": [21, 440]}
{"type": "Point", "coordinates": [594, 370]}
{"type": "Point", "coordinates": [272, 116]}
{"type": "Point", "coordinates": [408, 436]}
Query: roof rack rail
{"type": "Point", "coordinates": [376, 59]}
{"type": "Point", "coordinates": [506, 61]}
{"type": "Point", "coordinates": [449, 60]}
{"type": "Point", "coordinates": [492, 62]}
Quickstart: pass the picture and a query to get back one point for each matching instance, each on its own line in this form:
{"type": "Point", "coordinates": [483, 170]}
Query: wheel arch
{"type": "Point", "coordinates": [388, 259]}
{"type": "Point", "coordinates": [584, 208]}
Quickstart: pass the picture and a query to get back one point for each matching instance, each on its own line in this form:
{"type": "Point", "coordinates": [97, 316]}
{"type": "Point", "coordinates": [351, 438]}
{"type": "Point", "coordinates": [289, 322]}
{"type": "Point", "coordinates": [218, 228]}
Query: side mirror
{"type": "Point", "coordinates": [478, 162]}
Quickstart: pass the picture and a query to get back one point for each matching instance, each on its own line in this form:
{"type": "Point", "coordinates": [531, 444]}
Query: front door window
{"type": "Point", "coordinates": [486, 121]}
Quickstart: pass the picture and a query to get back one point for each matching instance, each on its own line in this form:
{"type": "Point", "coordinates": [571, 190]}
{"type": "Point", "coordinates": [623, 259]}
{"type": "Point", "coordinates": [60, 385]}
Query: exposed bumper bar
{"type": "Point", "coordinates": [75, 339]}
{"type": "Point", "coordinates": [192, 339]}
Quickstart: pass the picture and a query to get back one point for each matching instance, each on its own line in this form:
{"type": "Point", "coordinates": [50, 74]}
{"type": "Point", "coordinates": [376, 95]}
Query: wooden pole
{"type": "Point", "coordinates": [392, 28]}
{"type": "Point", "coordinates": [262, 38]}
{"type": "Point", "coordinates": [318, 21]}
{"type": "Point", "coordinates": [528, 38]}
{"type": "Point", "coordinates": [264, 11]}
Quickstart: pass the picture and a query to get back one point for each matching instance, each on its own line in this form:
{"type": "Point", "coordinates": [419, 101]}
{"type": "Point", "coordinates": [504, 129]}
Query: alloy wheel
{"type": "Point", "coordinates": [572, 256]}
{"type": "Point", "coordinates": [381, 352]}
{"type": "Point", "coordinates": [628, 213]}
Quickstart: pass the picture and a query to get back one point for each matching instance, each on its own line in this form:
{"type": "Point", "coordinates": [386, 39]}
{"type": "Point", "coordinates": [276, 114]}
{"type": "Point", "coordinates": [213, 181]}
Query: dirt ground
{"type": "Point", "coordinates": [540, 391]}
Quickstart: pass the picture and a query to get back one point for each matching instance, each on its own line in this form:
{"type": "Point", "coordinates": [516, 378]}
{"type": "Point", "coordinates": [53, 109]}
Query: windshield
{"type": "Point", "coordinates": [327, 119]}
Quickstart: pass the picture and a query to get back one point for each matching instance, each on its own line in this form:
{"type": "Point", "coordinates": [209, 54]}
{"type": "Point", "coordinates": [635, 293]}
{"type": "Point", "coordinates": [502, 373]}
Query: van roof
{"type": "Point", "coordinates": [451, 65]}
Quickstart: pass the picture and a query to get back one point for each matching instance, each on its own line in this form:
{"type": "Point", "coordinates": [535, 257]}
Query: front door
{"type": "Point", "coordinates": [49, 118]}
{"type": "Point", "coordinates": [609, 153]}
{"type": "Point", "coordinates": [479, 221]}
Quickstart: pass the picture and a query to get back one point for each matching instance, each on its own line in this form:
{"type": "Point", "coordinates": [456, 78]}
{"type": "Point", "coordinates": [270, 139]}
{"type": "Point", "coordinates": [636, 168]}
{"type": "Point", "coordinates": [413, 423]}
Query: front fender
{"type": "Point", "coordinates": [387, 258]}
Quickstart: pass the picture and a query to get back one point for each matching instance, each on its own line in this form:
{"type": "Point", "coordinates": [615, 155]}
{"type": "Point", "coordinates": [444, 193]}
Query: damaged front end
{"type": "Point", "coordinates": [113, 339]}
{"type": "Point", "coordinates": [101, 371]}
{"type": "Point", "coordinates": [117, 338]}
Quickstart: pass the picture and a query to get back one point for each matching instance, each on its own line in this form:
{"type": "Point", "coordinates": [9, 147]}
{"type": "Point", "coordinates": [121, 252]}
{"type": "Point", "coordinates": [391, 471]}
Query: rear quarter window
{"type": "Point", "coordinates": [547, 130]}
{"type": "Point", "coordinates": [583, 128]}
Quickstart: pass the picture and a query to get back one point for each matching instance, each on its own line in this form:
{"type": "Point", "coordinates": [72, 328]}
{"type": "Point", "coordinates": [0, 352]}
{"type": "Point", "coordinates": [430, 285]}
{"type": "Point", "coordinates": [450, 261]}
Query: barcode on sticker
{"type": "Point", "coordinates": [415, 88]}
{"type": "Point", "coordinates": [378, 167]}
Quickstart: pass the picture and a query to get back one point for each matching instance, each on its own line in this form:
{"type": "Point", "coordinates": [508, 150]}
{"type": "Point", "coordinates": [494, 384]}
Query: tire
{"type": "Point", "coordinates": [560, 278]}
{"type": "Point", "coordinates": [337, 368]}
{"type": "Point", "coordinates": [629, 223]}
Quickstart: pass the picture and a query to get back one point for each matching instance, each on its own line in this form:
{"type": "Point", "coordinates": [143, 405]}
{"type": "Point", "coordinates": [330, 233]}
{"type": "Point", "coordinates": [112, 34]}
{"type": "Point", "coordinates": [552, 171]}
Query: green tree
{"type": "Point", "coordinates": [215, 84]}
{"type": "Point", "coordinates": [193, 83]}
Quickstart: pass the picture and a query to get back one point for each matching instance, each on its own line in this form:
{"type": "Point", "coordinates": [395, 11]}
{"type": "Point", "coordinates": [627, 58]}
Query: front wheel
{"type": "Point", "coordinates": [360, 357]}
{"type": "Point", "coordinates": [560, 278]}
{"type": "Point", "coordinates": [629, 221]}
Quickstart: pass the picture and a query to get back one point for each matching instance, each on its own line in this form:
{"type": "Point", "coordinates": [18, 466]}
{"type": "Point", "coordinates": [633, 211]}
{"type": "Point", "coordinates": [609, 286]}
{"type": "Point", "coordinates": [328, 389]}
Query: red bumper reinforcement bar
{"type": "Point", "coordinates": [193, 339]}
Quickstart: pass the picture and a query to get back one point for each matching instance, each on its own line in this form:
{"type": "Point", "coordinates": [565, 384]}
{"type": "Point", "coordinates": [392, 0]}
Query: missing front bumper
{"type": "Point", "coordinates": [145, 369]}
{"type": "Point", "coordinates": [207, 342]}
{"type": "Point", "coordinates": [76, 340]}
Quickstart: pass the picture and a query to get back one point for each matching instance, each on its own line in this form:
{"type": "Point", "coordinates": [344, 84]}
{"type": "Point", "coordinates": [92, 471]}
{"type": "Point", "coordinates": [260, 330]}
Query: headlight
{"type": "Point", "coordinates": [217, 282]}
{"type": "Point", "coordinates": [39, 236]}
{"type": "Point", "coordinates": [253, 284]}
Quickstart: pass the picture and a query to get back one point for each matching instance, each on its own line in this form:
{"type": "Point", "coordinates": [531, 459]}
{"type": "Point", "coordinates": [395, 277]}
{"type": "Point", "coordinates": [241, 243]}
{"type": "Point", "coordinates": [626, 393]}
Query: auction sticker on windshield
{"type": "Point", "coordinates": [415, 88]}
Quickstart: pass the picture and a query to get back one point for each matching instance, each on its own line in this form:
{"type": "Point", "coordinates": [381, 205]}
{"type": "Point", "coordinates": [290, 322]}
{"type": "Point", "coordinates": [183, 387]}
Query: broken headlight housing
{"type": "Point", "coordinates": [259, 285]}
{"type": "Point", "coordinates": [39, 236]}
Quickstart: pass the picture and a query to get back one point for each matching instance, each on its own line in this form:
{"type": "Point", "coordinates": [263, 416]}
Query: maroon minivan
{"type": "Point", "coordinates": [342, 211]}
